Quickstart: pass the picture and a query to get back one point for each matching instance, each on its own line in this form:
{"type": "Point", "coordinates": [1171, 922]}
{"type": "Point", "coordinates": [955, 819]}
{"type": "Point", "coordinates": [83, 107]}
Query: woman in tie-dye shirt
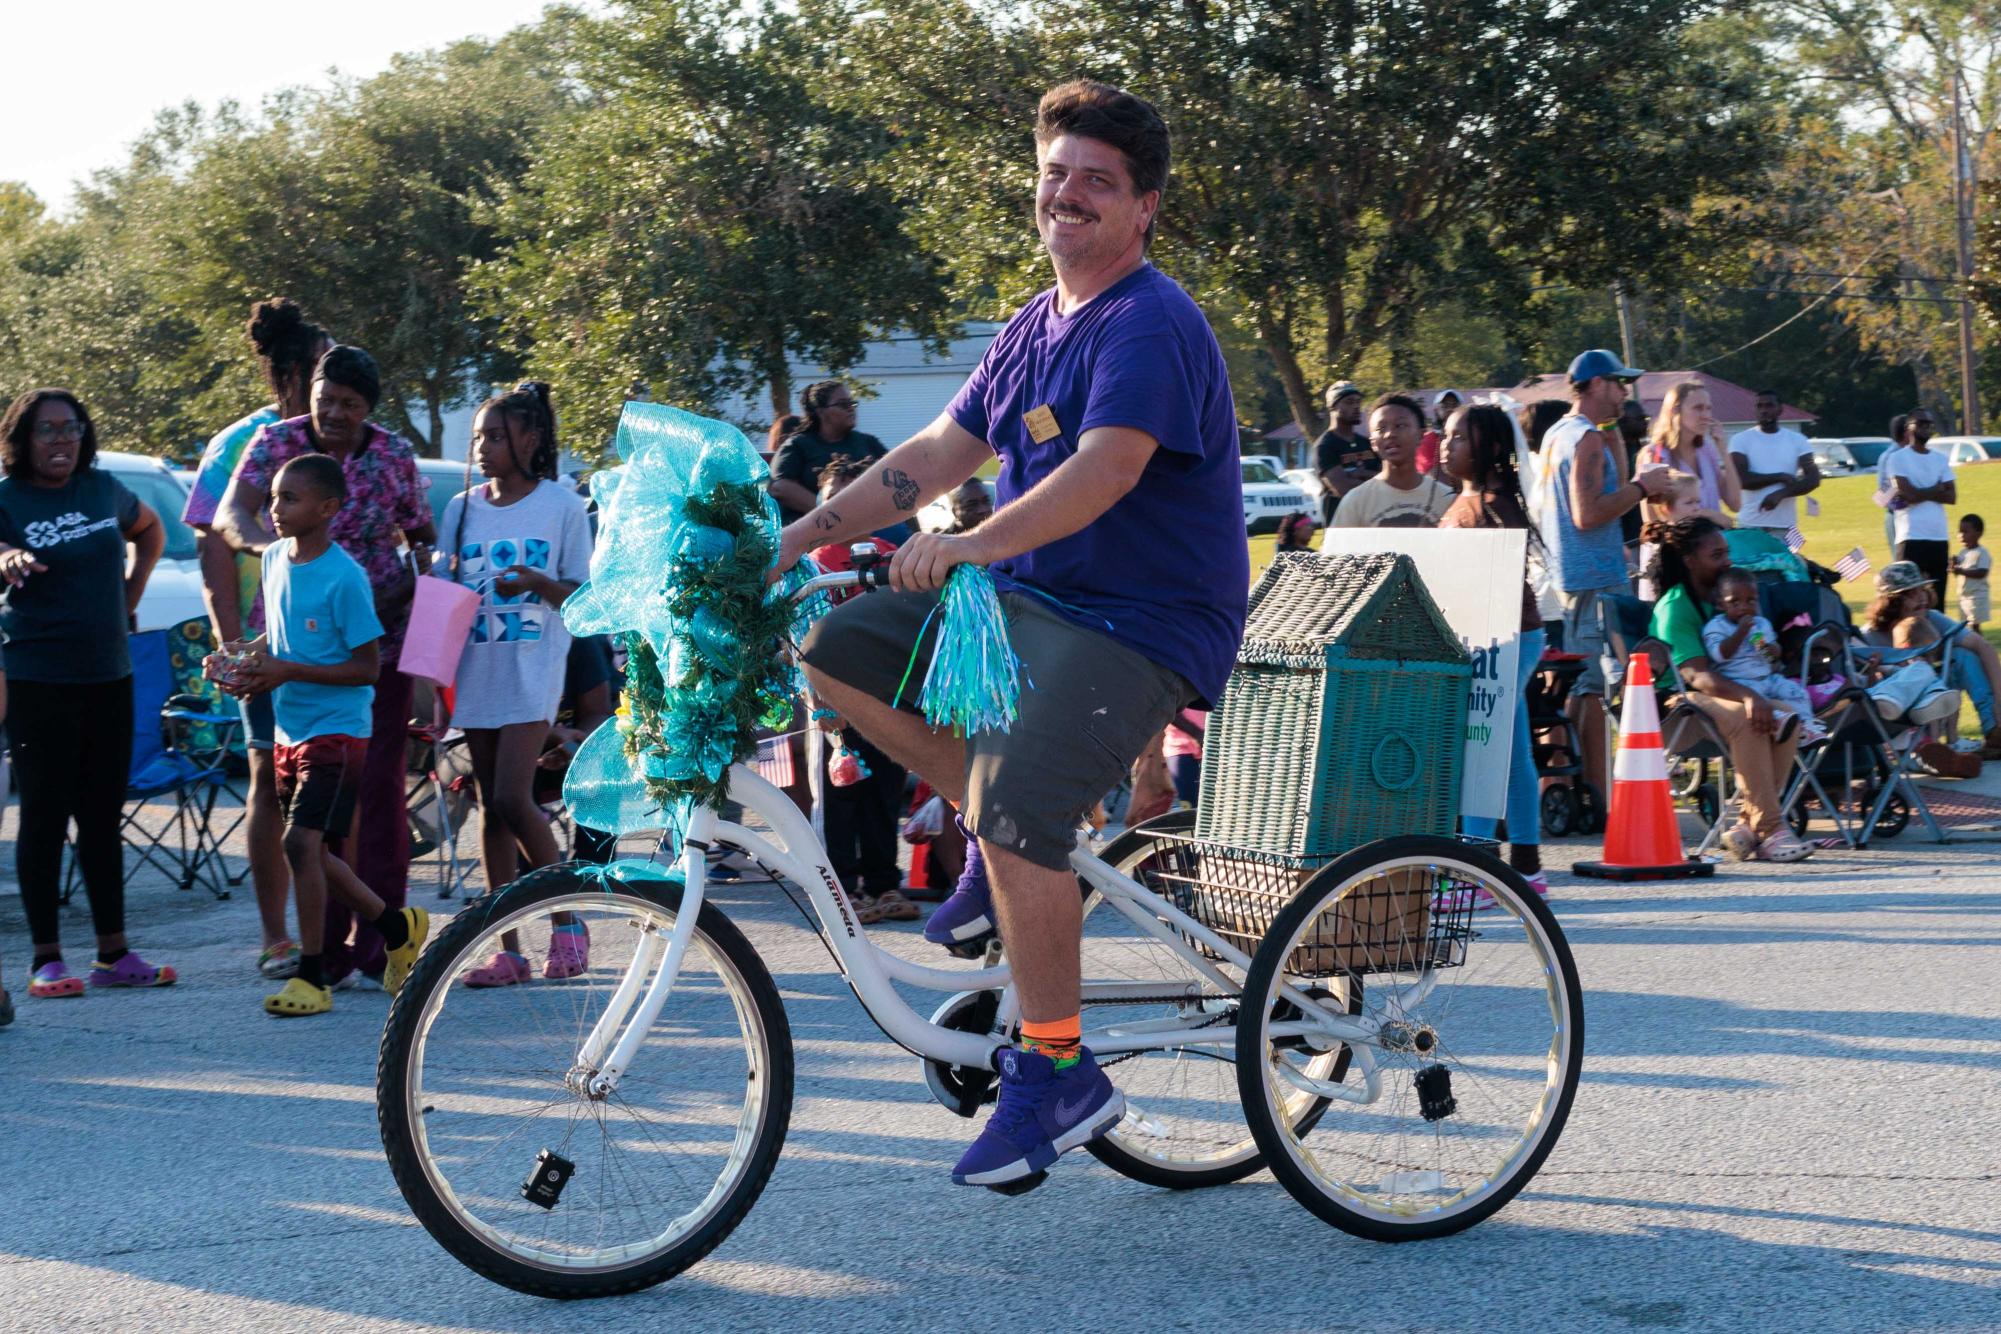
{"type": "Point", "coordinates": [287, 345]}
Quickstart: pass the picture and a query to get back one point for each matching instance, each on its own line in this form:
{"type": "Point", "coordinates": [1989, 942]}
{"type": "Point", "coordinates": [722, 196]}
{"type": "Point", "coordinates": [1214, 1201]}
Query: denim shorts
{"type": "Point", "coordinates": [1089, 706]}
{"type": "Point", "coordinates": [260, 724]}
{"type": "Point", "coordinates": [1584, 635]}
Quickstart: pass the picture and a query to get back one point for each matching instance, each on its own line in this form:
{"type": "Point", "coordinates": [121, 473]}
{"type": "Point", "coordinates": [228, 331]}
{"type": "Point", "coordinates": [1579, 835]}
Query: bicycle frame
{"type": "Point", "coordinates": [612, 1045]}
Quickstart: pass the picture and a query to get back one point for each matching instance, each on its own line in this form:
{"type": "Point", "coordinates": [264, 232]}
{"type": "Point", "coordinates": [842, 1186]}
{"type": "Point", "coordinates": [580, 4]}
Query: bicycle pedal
{"type": "Point", "coordinates": [976, 948]}
{"type": "Point", "coordinates": [1020, 1185]}
{"type": "Point", "coordinates": [976, 1089]}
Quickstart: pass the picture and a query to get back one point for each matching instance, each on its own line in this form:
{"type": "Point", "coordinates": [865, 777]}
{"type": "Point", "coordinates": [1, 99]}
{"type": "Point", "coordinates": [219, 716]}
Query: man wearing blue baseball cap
{"type": "Point", "coordinates": [1584, 491]}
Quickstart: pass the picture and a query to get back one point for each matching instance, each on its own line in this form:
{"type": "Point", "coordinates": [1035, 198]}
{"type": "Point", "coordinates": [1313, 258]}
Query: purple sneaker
{"type": "Point", "coordinates": [969, 914]}
{"type": "Point", "coordinates": [1043, 1113]}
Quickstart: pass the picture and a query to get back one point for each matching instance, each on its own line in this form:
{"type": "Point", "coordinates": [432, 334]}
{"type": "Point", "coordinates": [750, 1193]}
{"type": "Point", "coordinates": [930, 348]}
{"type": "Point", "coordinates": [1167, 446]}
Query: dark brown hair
{"type": "Point", "coordinates": [1404, 401]}
{"type": "Point", "coordinates": [782, 429]}
{"type": "Point", "coordinates": [18, 427]}
{"type": "Point", "coordinates": [1092, 110]}
{"type": "Point", "coordinates": [812, 399]}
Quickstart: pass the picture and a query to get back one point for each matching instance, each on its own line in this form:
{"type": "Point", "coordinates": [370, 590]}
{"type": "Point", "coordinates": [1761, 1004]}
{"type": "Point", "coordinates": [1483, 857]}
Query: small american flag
{"type": "Point", "coordinates": [1852, 566]}
{"type": "Point", "coordinates": [1795, 539]}
{"type": "Point", "coordinates": [774, 761]}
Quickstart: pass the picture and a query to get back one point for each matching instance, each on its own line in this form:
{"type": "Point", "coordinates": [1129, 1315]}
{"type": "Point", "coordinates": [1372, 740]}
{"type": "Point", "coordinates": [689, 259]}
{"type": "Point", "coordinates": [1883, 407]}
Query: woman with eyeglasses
{"type": "Point", "coordinates": [827, 429]}
{"type": "Point", "coordinates": [70, 593]}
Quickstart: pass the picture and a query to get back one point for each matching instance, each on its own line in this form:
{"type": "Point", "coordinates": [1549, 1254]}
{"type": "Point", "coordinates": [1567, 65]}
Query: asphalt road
{"type": "Point", "coordinates": [1791, 1117]}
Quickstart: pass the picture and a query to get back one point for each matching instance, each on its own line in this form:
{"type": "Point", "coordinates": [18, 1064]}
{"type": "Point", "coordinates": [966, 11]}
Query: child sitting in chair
{"type": "Point", "coordinates": [1745, 649]}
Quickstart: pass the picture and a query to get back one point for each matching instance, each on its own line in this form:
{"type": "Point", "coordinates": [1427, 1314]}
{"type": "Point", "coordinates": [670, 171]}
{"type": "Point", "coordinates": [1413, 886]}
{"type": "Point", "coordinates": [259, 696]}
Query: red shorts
{"type": "Point", "coordinates": [317, 782]}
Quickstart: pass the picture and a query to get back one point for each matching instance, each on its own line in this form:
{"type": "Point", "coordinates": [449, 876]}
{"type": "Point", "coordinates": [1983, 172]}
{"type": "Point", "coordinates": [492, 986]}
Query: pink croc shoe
{"type": "Point", "coordinates": [569, 951]}
{"type": "Point", "coordinates": [502, 970]}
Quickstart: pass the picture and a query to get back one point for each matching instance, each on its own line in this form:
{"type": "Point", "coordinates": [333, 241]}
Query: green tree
{"type": "Point", "coordinates": [369, 203]}
{"type": "Point", "coordinates": [80, 308]}
{"type": "Point", "coordinates": [705, 222]}
{"type": "Point", "coordinates": [1341, 165]}
{"type": "Point", "coordinates": [1870, 165]}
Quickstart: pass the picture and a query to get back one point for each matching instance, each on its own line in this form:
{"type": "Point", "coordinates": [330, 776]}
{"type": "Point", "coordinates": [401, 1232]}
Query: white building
{"type": "Point", "coordinates": [902, 388]}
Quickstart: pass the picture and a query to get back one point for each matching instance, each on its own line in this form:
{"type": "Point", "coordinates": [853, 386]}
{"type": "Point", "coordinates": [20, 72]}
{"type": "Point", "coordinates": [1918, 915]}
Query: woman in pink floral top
{"type": "Point", "coordinates": [386, 508]}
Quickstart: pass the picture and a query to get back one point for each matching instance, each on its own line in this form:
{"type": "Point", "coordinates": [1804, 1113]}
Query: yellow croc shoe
{"type": "Point", "coordinates": [298, 998]}
{"type": "Point", "coordinates": [402, 957]}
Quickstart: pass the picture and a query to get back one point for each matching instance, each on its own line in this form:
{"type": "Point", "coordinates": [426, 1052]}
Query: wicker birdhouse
{"type": "Point", "coordinates": [1345, 719]}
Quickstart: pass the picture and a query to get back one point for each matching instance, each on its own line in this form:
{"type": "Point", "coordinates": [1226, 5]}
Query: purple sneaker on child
{"type": "Point", "coordinates": [969, 913]}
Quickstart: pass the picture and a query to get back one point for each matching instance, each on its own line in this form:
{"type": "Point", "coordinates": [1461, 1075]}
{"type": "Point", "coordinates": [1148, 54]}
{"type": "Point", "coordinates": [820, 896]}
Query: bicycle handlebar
{"type": "Point", "coordinates": [875, 576]}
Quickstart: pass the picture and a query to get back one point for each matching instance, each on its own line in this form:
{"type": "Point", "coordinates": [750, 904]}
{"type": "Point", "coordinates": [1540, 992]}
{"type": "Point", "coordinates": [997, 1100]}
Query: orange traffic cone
{"type": "Point", "coordinates": [1642, 841]}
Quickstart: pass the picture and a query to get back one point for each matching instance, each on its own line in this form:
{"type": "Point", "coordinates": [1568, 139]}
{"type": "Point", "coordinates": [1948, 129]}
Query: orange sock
{"type": "Point", "coordinates": [1059, 1040]}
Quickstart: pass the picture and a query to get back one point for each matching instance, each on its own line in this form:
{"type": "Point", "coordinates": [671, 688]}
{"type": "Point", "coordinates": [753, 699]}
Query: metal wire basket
{"type": "Point", "coordinates": [1412, 918]}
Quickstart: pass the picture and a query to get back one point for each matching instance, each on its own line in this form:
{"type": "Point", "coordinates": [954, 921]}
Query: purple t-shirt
{"type": "Point", "coordinates": [1166, 570]}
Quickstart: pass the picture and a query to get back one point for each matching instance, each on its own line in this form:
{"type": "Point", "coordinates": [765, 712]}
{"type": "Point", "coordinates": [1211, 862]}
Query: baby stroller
{"type": "Point", "coordinates": [1570, 804]}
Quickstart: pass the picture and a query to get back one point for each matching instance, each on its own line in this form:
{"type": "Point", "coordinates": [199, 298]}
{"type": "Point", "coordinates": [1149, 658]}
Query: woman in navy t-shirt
{"type": "Point", "coordinates": [64, 528]}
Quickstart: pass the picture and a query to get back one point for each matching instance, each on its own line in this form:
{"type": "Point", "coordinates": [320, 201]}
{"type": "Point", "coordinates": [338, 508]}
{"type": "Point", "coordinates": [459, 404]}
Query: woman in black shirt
{"type": "Point", "coordinates": [65, 525]}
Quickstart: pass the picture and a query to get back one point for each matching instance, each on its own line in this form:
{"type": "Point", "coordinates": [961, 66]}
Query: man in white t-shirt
{"type": "Point", "coordinates": [1401, 497]}
{"type": "Point", "coordinates": [1924, 486]}
{"type": "Point", "coordinates": [1774, 463]}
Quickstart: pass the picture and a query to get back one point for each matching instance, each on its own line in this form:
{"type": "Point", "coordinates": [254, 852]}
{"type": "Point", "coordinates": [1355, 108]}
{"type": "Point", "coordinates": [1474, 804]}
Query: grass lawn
{"type": "Point", "coordinates": [1848, 519]}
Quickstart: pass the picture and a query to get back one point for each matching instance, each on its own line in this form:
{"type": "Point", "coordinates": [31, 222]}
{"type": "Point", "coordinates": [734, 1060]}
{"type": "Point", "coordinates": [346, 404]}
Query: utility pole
{"type": "Point", "coordinates": [1962, 205]}
{"type": "Point", "coordinates": [1625, 322]}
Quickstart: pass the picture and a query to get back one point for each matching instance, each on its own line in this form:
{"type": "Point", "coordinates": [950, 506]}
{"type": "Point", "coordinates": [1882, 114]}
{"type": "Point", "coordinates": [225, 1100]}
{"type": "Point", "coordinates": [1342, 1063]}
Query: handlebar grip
{"type": "Point", "coordinates": [876, 576]}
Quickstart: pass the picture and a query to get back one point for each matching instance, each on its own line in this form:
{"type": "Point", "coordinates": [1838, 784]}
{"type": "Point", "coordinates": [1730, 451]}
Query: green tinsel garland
{"type": "Point", "coordinates": [687, 720]}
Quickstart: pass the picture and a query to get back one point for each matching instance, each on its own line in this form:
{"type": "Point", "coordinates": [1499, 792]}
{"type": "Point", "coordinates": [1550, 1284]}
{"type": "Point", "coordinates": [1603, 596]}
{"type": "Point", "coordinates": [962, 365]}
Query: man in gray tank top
{"type": "Point", "coordinates": [1584, 492]}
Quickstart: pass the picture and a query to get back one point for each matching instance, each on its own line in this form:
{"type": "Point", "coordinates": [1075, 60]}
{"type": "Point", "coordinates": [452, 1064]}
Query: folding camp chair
{"type": "Point", "coordinates": [1862, 747]}
{"type": "Point", "coordinates": [184, 850]}
{"type": "Point", "coordinates": [437, 800]}
{"type": "Point", "coordinates": [204, 739]}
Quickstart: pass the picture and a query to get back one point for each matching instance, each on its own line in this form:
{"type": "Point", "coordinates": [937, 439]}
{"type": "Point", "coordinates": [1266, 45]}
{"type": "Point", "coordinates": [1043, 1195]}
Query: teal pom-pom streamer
{"type": "Point", "coordinates": [974, 684]}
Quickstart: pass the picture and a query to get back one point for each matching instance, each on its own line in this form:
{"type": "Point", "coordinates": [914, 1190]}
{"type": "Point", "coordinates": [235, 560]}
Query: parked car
{"type": "Point", "coordinates": [1272, 461]}
{"type": "Point", "coordinates": [174, 593]}
{"type": "Point", "coordinates": [443, 479]}
{"type": "Point", "coordinates": [1960, 450]}
{"type": "Point", "coordinates": [1268, 499]}
{"type": "Point", "coordinates": [1305, 479]}
{"type": "Point", "coordinates": [1845, 455]}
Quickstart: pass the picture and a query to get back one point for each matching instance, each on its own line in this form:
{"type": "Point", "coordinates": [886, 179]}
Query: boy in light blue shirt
{"type": "Point", "coordinates": [317, 658]}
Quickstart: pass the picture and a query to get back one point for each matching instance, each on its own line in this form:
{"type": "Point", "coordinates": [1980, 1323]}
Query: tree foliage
{"type": "Point", "coordinates": [707, 220]}
{"type": "Point", "coordinates": [1342, 166]}
{"type": "Point", "coordinates": [369, 204]}
{"type": "Point", "coordinates": [1869, 173]}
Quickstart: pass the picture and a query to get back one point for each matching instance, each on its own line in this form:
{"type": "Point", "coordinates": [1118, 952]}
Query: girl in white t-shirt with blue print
{"type": "Point", "coordinates": [522, 540]}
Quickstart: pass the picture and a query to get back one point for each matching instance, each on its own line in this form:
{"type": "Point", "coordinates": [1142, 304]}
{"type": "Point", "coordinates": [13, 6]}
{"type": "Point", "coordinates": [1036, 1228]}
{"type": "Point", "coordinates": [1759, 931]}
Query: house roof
{"type": "Point", "coordinates": [1732, 402]}
{"type": "Point", "coordinates": [1306, 603]}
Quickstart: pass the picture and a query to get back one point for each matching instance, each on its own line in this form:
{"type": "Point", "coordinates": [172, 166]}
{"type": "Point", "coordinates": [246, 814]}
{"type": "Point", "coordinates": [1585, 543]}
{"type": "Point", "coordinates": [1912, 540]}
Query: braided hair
{"type": "Point", "coordinates": [527, 408]}
{"type": "Point", "coordinates": [843, 469]}
{"type": "Point", "coordinates": [1493, 434]}
{"type": "Point", "coordinates": [1673, 542]}
{"type": "Point", "coordinates": [288, 344]}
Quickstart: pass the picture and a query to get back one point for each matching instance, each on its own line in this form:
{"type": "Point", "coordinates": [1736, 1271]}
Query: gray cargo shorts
{"type": "Point", "coordinates": [1089, 706]}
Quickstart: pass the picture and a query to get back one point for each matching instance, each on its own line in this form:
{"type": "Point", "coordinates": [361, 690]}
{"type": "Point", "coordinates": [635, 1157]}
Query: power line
{"type": "Point", "coordinates": [1801, 313]}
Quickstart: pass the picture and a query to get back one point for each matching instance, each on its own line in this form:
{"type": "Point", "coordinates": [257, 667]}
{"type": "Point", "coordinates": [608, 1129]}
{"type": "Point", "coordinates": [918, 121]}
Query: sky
{"type": "Point", "coordinates": [86, 76]}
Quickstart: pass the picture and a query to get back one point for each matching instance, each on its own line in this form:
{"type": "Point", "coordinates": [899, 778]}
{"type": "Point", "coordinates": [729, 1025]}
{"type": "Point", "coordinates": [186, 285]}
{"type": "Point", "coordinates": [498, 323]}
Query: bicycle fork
{"type": "Point", "coordinates": [595, 1074]}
